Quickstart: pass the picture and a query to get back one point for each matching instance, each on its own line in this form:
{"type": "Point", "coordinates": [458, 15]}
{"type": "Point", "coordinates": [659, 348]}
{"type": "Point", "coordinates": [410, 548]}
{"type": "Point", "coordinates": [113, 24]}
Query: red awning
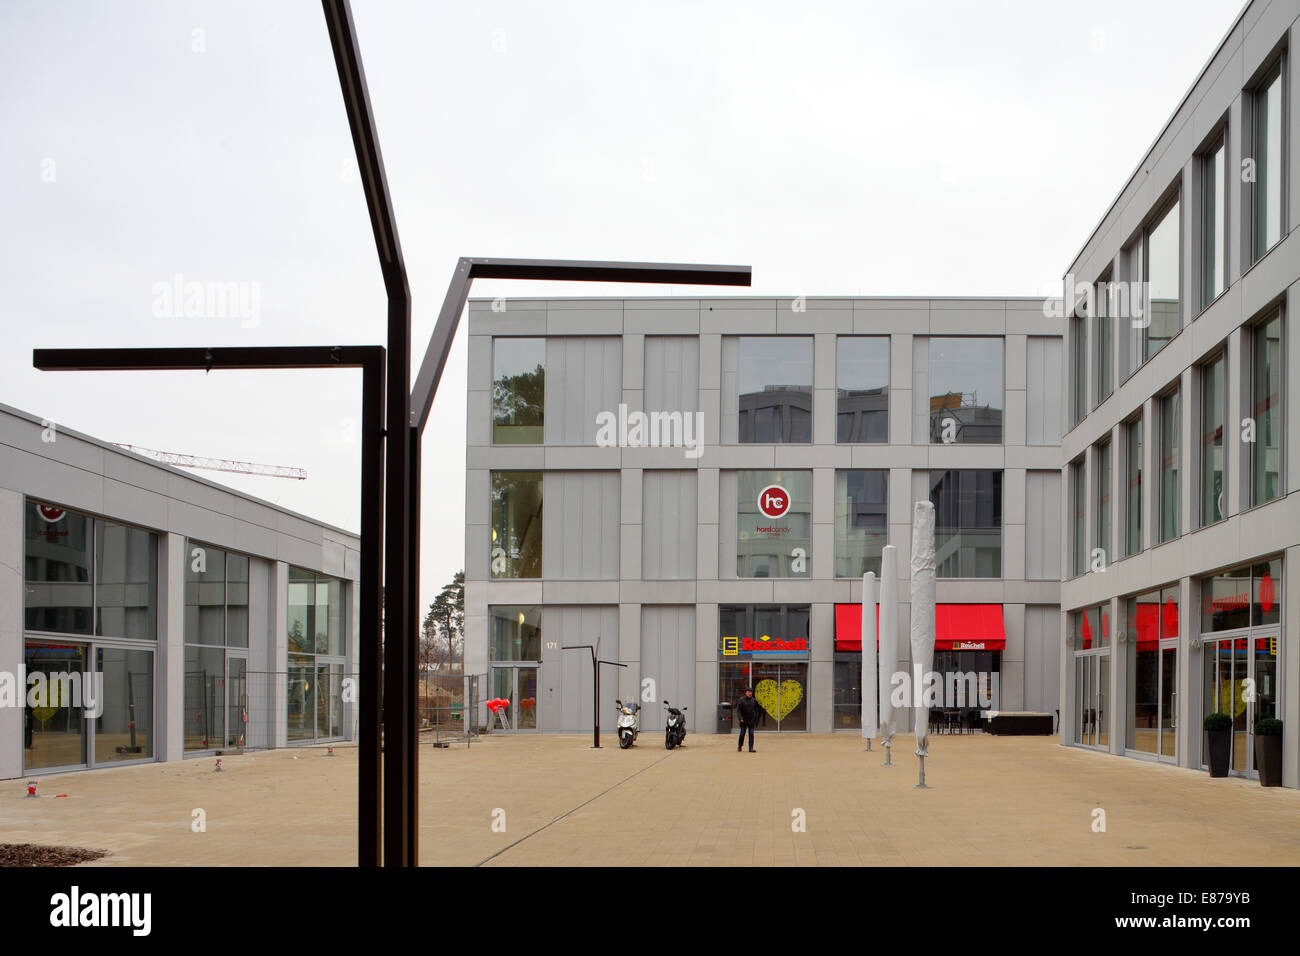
{"type": "Point", "coordinates": [958, 627]}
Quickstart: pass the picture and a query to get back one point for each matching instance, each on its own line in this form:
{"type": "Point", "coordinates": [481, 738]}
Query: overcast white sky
{"type": "Point", "coordinates": [881, 148]}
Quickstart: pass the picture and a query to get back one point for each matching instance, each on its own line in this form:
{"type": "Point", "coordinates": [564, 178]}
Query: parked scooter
{"type": "Point", "coordinates": [674, 727]}
{"type": "Point", "coordinates": [628, 722]}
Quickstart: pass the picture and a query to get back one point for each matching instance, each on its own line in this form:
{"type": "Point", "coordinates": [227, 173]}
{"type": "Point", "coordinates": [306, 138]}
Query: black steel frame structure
{"type": "Point", "coordinates": [370, 359]}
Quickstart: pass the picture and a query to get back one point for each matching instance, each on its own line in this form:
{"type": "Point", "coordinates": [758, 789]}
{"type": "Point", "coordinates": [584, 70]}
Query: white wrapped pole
{"type": "Point", "coordinates": [923, 595]}
{"type": "Point", "coordinates": [870, 714]}
{"type": "Point", "coordinates": [888, 644]}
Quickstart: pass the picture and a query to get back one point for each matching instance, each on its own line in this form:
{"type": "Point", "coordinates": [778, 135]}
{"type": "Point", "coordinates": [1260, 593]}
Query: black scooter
{"type": "Point", "coordinates": [675, 727]}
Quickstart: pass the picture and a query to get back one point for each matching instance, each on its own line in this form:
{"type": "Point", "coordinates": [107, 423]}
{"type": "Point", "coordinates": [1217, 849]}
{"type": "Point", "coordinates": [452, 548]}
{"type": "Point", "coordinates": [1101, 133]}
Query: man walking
{"type": "Point", "coordinates": [748, 712]}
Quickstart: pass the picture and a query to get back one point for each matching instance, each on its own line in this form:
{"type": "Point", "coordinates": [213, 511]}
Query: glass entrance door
{"type": "Point", "coordinates": [517, 684]}
{"type": "Point", "coordinates": [1241, 681]}
{"type": "Point", "coordinates": [54, 731]}
{"type": "Point", "coordinates": [780, 687]}
{"type": "Point", "coordinates": [1168, 701]}
{"type": "Point", "coordinates": [1091, 690]}
{"type": "Point", "coordinates": [1153, 715]}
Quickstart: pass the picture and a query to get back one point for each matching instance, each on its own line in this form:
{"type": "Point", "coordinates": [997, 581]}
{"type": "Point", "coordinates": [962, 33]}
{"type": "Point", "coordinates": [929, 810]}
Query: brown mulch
{"type": "Point", "coordinates": [31, 854]}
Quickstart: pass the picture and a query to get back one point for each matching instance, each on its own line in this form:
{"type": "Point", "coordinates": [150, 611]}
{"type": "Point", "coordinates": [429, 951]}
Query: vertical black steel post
{"type": "Point", "coordinates": [369, 657]}
{"type": "Point", "coordinates": [595, 672]}
{"type": "Point", "coordinates": [413, 648]}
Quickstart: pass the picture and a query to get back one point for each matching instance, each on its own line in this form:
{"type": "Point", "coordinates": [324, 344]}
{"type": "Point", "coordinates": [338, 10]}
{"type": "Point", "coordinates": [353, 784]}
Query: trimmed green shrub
{"type": "Point", "coordinates": [1268, 727]}
{"type": "Point", "coordinates": [1217, 722]}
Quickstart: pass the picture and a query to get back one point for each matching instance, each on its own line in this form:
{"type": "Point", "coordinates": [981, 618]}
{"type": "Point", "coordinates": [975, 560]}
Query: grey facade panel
{"type": "Point", "coordinates": [584, 376]}
{"type": "Point", "coordinates": [1043, 377]}
{"type": "Point", "coordinates": [672, 373]}
{"type": "Point", "coordinates": [668, 658]}
{"type": "Point", "coordinates": [668, 527]}
{"type": "Point", "coordinates": [1042, 658]}
{"type": "Point", "coordinates": [580, 521]}
{"type": "Point", "coordinates": [1043, 525]}
{"type": "Point", "coordinates": [565, 677]}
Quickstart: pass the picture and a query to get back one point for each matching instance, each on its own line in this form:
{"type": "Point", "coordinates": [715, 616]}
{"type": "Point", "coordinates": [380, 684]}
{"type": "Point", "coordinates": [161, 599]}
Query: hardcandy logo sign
{"type": "Point", "coordinates": [773, 501]}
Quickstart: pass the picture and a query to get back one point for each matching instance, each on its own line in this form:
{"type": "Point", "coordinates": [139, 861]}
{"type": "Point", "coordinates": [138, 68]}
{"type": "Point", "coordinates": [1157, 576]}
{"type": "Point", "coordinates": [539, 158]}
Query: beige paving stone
{"type": "Point", "coordinates": [992, 801]}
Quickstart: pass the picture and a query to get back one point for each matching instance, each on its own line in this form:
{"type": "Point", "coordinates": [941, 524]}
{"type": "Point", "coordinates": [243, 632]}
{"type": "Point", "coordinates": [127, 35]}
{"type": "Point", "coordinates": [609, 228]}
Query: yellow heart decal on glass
{"type": "Point", "coordinates": [778, 701]}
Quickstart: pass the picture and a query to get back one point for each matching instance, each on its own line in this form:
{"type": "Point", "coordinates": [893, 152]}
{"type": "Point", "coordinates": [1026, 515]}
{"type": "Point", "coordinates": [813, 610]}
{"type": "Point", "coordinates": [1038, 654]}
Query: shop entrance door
{"type": "Point", "coordinates": [54, 731]}
{"type": "Point", "coordinates": [1241, 681]}
{"type": "Point", "coordinates": [236, 700]}
{"type": "Point", "coordinates": [781, 689]}
{"type": "Point", "coordinates": [517, 684]}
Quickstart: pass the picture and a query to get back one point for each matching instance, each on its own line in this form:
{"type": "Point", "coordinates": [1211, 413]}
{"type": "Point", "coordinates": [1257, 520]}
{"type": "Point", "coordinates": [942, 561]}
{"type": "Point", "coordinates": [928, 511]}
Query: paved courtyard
{"type": "Point", "coordinates": [994, 800]}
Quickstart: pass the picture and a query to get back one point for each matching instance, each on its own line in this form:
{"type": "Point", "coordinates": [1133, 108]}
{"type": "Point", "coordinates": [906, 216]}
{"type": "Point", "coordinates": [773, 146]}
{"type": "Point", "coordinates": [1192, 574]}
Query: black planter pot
{"type": "Point", "coordinates": [1268, 760]}
{"type": "Point", "coordinates": [1218, 751]}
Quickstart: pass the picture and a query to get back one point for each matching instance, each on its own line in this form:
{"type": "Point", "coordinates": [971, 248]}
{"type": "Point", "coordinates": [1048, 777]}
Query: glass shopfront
{"type": "Point", "coordinates": [515, 645]}
{"type": "Point", "coordinates": [765, 647]}
{"type": "Point", "coordinates": [1090, 637]}
{"type": "Point", "coordinates": [1241, 616]}
{"type": "Point", "coordinates": [90, 628]}
{"type": "Point", "coordinates": [1152, 640]}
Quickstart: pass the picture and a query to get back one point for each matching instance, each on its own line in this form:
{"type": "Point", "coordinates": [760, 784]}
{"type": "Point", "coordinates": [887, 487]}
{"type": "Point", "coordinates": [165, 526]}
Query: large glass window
{"type": "Point", "coordinates": [124, 726]}
{"type": "Point", "coordinates": [1266, 378]}
{"type": "Point", "coordinates": [779, 676]}
{"type": "Point", "coordinates": [966, 390]}
{"type": "Point", "coordinates": [216, 618]}
{"type": "Point", "coordinates": [59, 571]}
{"type": "Point", "coordinates": [968, 523]}
{"type": "Point", "coordinates": [1102, 498]}
{"type": "Point", "coordinates": [1214, 212]}
{"type": "Point", "coordinates": [1266, 192]}
{"type": "Point", "coordinates": [1104, 340]}
{"type": "Point", "coordinates": [776, 394]}
{"type": "Point", "coordinates": [1214, 397]}
{"type": "Point", "coordinates": [1133, 487]}
{"type": "Point", "coordinates": [518, 390]}
{"type": "Point", "coordinates": [516, 632]}
{"type": "Point", "coordinates": [316, 632]}
{"type": "Point", "coordinates": [1078, 369]}
{"type": "Point", "coordinates": [1170, 465]}
{"type": "Point", "coordinates": [774, 524]}
{"type": "Point", "coordinates": [861, 521]}
{"type": "Point", "coordinates": [1079, 509]}
{"type": "Point", "coordinates": [1162, 269]}
{"type": "Point", "coordinates": [516, 524]}
{"type": "Point", "coordinates": [56, 572]}
{"type": "Point", "coordinates": [862, 388]}
{"type": "Point", "coordinates": [1153, 629]}
{"type": "Point", "coordinates": [1247, 596]}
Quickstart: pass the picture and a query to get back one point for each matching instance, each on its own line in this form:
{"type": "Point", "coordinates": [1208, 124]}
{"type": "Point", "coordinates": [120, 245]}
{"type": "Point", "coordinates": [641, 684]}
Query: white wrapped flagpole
{"type": "Point", "coordinates": [923, 596]}
{"type": "Point", "coordinates": [888, 644]}
{"type": "Point", "coordinates": [870, 714]}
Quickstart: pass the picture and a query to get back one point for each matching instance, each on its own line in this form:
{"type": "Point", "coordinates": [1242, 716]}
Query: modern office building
{"type": "Point", "coordinates": [148, 614]}
{"type": "Point", "coordinates": [1181, 467]}
{"type": "Point", "coordinates": [700, 484]}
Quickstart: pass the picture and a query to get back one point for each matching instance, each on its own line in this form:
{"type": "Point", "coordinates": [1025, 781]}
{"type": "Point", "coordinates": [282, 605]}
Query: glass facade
{"type": "Point", "coordinates": [1104, 339]}
{"type": "Point", "coordinates": [88, 579]}
{"type": "Point", "coordinates": [861, 521]}
{"type": "Point", "coordinates": [1170, 465]}
{"type": "Point", "coordinates": [779, 678]}
{"type": "Point", "coordinates": [518, 390]}
{"type": "Point", "coordinates": [1266, 211]}
{"type": "Point", "coordinates": [1214, 398]}
{"type": "Point", "coordinates": [1214, 211]}
{"type": "Point", "coordinates": [516, 524]}
{"type": "Point", "coordinates": [774, 524]}
{"type": "Point", "coordinates": [1090, 635]}
{"type": "Point", "coordinates": [515, 648]}
{"type": "Point", "coordinates": [1078, 369]}
{"type": "Point", "coordinates": [966, 391]}
{"type": "Point", "coordinates": [775, 389]}
{"type": "Point", "coordinates": [216, 619]}
{"type": "Point", "coordinates": [968, 523]}
{"type": "Point", "coordinates": [1133, 487]}
{"type": "Point", "coordinates": [1078, 519]}
{"type": "Point", "coordinates": [862, 388]}
{"type": "Point", "coordinates": [1152, 630]}
{"type": "Point", "coordinates": [1266, 378]}
{"type": "Point", "coordinates": [1162, 269]}
{"type": "Point", "coordinates": [1102, 500]}
{"type": "Point", "coordinates": [316, 633]}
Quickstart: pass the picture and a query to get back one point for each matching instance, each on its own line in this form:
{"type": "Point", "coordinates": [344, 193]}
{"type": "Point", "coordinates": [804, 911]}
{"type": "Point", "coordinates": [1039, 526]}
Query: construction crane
{"type": "Point", "coordinates": [217, 464]}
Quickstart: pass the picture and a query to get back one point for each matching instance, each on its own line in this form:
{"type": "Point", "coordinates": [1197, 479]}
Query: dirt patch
{"type": "Point", "coordinates": [31, 854]}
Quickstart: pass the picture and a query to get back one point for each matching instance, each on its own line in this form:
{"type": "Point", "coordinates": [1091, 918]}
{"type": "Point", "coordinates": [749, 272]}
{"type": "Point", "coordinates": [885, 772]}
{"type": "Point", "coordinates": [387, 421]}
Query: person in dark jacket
{"type": "Point", "coordinates": [748, 712]}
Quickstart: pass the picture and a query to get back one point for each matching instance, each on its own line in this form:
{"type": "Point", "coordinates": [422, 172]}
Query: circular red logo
{"type": "Point", "coordinates": [49, 512]}
{"type": "Point", "coordinates": [773, 501]}
{"type": "Point", "coordinates": [1266, 593]}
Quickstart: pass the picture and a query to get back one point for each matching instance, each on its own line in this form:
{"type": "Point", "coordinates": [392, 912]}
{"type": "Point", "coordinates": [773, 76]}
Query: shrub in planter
{"type": "Point", "coordinates": [1268, 751]}
{"type": "Point", "coordinates": [1218, 743]}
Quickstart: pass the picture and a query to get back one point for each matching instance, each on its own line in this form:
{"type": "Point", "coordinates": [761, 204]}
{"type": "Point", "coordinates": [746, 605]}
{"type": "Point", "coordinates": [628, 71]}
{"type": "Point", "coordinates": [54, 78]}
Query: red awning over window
{"type": "Point", "coordinates": [958, 627]}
